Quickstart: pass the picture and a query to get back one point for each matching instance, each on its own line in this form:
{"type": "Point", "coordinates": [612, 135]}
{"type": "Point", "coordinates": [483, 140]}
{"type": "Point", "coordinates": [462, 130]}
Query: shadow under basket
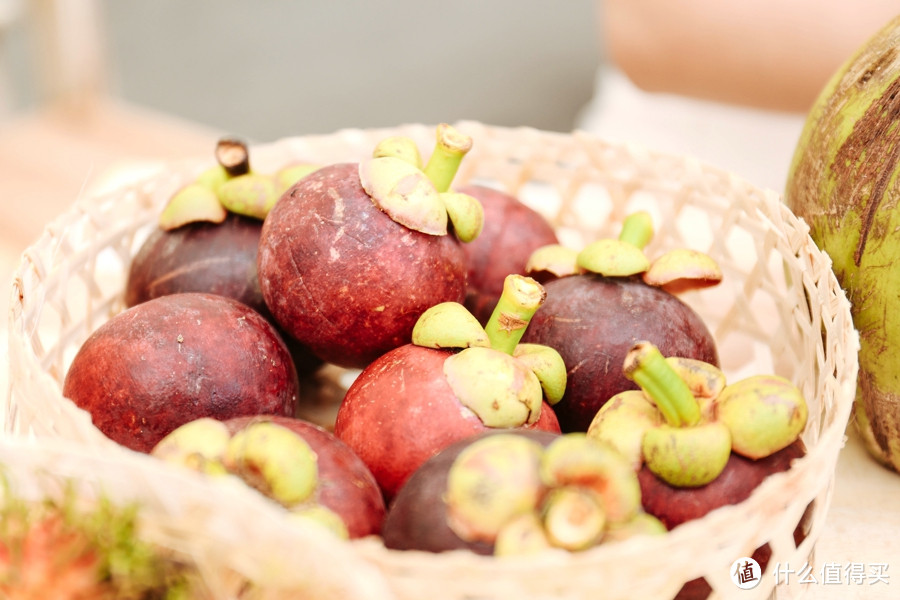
{"type": "Point", "coordinates": [778, 310]}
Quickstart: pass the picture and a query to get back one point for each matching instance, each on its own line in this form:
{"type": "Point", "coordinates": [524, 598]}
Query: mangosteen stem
{"type": "Point", "coordinates": [448, 152]}
{"type": "Point", "coordinates": [520, 299]}
{"type": "Point", "coordinates": [646, 366]}
{"type": "Point", "coordinates": [233, 155]}
{"type": "Point", "coordinates": [637, 229]}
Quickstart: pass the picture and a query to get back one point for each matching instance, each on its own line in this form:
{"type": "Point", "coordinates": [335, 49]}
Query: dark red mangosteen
{"type": "Point", "coordinates": [610, 298]}
{"type": "Point", "coordinates": [345, 484]}
{"type": "Point", "coordinates": [511, 492]}
{"type": "Point", "coordinates": [176, 358]}
{"type": "Point", "coordinates": [200, 246]}
{"type": "Point", "coordinates": [699, 443]}
{"type": "Point", "coordinates": [354, 253]}
{"type": "Point", "coordinates": [454, 380]}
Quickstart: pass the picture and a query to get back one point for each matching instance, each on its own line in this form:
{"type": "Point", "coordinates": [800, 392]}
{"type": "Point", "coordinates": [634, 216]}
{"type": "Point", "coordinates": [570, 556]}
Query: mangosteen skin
{"type": "Point", "coordinates": [216, 258]}
{"type": "Point", "coordinates": [417, 517]}
{"type": "Point", "coordinates": [592, 321]}
{"type": "Point", "coordinates": [213, 258]}
{"type": "Point", "coordinates": [346, 485]}
{"type": "Point", "coordinates": [400, 411]}
{"type": "Point", "coordinates": [674, 506]}
{"type": "Point", "coordinates": [512, 232]}
{"type": "Point", "coordinates": [177, 358]}
{"type": "Point", "coordinates": [342, 277]}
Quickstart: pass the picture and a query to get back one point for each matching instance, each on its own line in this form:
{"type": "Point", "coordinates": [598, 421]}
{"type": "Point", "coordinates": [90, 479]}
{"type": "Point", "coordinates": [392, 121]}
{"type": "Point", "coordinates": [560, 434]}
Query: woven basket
{"type": "Point", "coordinates": [779, 309]}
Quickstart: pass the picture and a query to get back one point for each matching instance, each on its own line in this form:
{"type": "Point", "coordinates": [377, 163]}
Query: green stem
{"type": "Point", "coordinates": [637, 229]}
{"type": "Point", "coordinates": [448, 153]}
{"type": "Point", "coordinates": [520, 299]}
{"type": "Point", "coordinates": [646, 366]}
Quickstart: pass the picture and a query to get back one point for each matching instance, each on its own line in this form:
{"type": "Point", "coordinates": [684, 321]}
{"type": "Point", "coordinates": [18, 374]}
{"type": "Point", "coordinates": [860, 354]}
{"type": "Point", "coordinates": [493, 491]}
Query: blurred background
{"type": "Point", "coordinates": [266, 70]}
{"type": "Point", "coordinates": [91, 89]}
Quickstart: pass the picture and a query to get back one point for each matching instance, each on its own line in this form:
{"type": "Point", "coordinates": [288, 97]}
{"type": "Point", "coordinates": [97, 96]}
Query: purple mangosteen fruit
{"type": "Point", "coordinates": [354, 253]}
{"type": "Point", "coordinates": [176, 358]}
{"type": "Point", "coordinates": [345, 484]}
{"type": "Point", "coordinates": [294, 463]}
{"type": "Point", "coordinates": [213, 252]}
{"type": "Point", "coordinates": [698, 442]}
{"type": "Point", "coordinates": [511, 492]}
{"type": "Point", "coordinates": [454, 380]}
{"type": "Point", "coordinates": [609, 298]}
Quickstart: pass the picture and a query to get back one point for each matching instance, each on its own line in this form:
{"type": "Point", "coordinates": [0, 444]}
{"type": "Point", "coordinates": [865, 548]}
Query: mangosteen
{"type": "Point", "coordinates": [354, 253]}
{"type": "Point", "coordinates": [455, 379]}
{"type": "Point", "coordinates": [212, 253]}
{"type": "Point", "coordinates": [609, 298]}
{"type": "Point", "coordinates": [514, 492]}
{"type": "Point", "coordinates": [512, 231]}
{"type": "Point", "coordinates": [321, 473]}
{"type": "Point", "coordinates": [176, 358]}
{"type": "Point", "coordinates": [674, 505]}
{"type": "Point", "coordinates": [697, 442]}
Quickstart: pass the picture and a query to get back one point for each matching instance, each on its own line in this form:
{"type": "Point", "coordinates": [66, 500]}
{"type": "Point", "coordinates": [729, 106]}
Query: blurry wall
{"type": "Point", "coordinates": [274, 68]}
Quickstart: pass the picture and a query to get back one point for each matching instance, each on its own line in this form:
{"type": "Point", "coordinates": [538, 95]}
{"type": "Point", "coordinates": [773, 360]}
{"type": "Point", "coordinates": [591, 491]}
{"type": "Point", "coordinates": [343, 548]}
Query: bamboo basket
{"type": "Point", "coordinates": [778, 310]}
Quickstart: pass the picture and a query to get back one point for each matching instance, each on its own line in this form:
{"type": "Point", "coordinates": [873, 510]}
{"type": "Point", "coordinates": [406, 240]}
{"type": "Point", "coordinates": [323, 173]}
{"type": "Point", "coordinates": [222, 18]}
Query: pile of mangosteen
{"type": "Point", "coordinates": [509, 394]}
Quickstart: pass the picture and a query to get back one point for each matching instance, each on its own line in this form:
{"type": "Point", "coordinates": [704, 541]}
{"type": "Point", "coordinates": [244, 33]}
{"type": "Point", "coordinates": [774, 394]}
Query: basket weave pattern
{"type": "Point", "coordinates": [779, 309]}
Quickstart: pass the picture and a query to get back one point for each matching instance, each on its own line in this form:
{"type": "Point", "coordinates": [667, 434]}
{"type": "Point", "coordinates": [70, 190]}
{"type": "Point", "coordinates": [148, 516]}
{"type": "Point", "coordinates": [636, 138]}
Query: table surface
{"type": "Point", "coordinates": [864, 518]}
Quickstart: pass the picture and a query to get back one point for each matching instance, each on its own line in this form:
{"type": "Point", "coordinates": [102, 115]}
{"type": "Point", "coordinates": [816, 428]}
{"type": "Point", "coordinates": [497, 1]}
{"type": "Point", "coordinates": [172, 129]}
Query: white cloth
{"type": "Point", "coordinates": [754, 144]}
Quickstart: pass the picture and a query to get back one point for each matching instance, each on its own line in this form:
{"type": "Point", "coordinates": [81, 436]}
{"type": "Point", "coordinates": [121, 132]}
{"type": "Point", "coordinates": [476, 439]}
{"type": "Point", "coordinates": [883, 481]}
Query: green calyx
{"type": "Point", "coordinates": [502, 391]}
{"type": "Point", "coordinates": [274, 460]}
{"type": "Point", "coordinates": [419, 197]}
{"type": "Point", "coordinates": [449, 325]}
{"type": "Point", "coordinates": [192, 203]}
{"type": "Point", "coordinates": [523, 498]}
{"type": "Point", "coordinates": [622, 422]}
{"type": "Point", "coordinates": [686, 420]}
{"type": "Point", "coordinates": [231, 186]}
{"type": "Point", "coordinates": [322, 516]}
{"type": "Point", "coordinates": [198, 445]}
{"type": "Point", "coordinates": [251, 194]}
{"type": "Point", "coordinates": [555, 259]}
{"type": "Point", "coordinates": [675, 271]}
{"type": "Point", "coordinates": [687, 456]}
{"type": "Point", "coordinates": [500, 380]}
{"type": "Point", "coordinates": [683, 450]}
{"type": "Point", "coordinates": [575, 459]}
{"type": "Point", "coordinates": [764, 413]}
{"type": "Point", "coordinates": [264, 455]}
{"type": "Point", "coordinates": [490, 482]}
{"type": "Point", "coordinates": [404, 193]}
{"type": "Point", "coordinates": [548, 365]}
{"type": "Point", "coordinates": [574, 518]}
{"type": "Point", "coordinates": [621, 257]}
{"type": "Point", "coordinates": [400, 147]}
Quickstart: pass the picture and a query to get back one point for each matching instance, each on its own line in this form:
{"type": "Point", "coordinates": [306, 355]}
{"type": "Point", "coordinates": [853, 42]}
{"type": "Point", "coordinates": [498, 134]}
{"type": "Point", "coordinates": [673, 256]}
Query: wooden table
{"type": "Point", "coordinates": [48, 159]}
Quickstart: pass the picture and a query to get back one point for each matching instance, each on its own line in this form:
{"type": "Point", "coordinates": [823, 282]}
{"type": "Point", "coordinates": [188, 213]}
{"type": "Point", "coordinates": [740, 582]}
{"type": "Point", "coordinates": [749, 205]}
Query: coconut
{"type": "Point", "coordinates": [844, 181]}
